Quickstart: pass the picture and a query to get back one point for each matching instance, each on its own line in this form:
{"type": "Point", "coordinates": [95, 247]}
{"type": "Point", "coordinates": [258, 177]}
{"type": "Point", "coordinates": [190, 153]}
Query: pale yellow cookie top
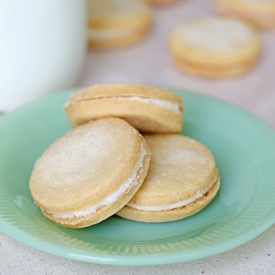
{"type": "Point", "coordinates": [213, 34]}
{"type": "Point", "coordinates": [115, 7]}
{"type": "Point", "coordinates": [117, 13]}
{"type": "Point", "coordinates": [210, 39]}
{"type": "Point", "coordinates": [85, 165]}
{"type": "Point", "coordinates": [161, 2]}
{"type": "Point", "coordinates": [180, 167]}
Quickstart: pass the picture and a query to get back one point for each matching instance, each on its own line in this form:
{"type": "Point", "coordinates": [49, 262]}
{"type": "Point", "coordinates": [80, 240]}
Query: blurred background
{"type": "Point", "coordinates": [145, 61]}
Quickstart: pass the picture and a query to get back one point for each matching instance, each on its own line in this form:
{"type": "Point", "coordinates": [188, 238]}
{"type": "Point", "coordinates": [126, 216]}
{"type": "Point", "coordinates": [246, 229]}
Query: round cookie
{"type": "Point", "coordinates": [113, 23]}
{"type": "Point", "coordinates": [214, 47]}
{"type": "Point", "coordinates": [182, 179]}
{"type": "Point", "coordinates": [91, 172]}
{"type": "Point", "coordinates": [147, 108]}
{"type": "Point", "coordinates": [259, 13]}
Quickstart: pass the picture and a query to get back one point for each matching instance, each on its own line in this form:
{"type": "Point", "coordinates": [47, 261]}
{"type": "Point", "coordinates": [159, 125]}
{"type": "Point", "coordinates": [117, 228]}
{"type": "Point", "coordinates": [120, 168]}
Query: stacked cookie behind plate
{"type": "Point", "coordinates": [147, 108]}
{"type": "Point", "coordinates": [100, 167]}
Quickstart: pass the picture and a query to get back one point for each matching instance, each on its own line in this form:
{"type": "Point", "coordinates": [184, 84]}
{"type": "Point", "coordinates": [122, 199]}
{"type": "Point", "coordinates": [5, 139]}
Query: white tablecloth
{"type": "Point", "coordinates": [148, 62]}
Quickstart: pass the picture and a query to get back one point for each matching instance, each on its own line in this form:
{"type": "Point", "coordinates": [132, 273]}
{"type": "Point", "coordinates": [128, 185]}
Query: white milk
{"type": "Point", "coordinates": [42, 48]}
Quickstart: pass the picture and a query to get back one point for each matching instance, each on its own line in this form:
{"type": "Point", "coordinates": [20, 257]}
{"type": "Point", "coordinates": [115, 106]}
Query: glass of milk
{"type": "Point", "coordinates": [42, 48]}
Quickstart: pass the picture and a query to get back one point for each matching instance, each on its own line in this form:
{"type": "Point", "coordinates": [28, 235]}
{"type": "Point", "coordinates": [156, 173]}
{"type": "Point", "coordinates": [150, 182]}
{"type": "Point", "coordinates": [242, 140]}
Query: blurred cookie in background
{"type": "Point", "coordinates": [162, 2]}
{"type": "Point", "coordinates": [214, 47]}
{"type": "Point", "coordinates": [113, 23]}
{"type": "Point", "coordinates": [260, 13]}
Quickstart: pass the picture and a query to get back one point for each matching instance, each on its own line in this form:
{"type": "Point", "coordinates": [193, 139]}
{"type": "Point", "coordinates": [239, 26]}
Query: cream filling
{"type": "Point", "coordinates": [178, 204]}
{"type": "Point", "coordinates": [158, 102]}
{"type": "Point", "coordinates": [127, 184]}
{"type": "Point", "coordinates": [161, 103]}
{"type": "Point", "coordinates": [99, 34]}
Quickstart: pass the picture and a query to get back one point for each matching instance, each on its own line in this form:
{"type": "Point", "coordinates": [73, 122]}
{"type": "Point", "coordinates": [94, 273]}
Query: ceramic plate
{"type": "Point", "coordinates": [244, 148]}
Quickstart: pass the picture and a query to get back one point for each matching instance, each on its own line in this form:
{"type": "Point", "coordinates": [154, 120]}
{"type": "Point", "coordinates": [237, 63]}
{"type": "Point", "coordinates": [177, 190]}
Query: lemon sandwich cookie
{"type": "Point", "coordinates": [260, 13]}
{"type": "Point", "coordinates": [113, 23]}
{"type": "Point", "coordinates": [147, 108]}
{"type": "Point", "coordinates": [91, 172]}
{"type": "Point", "coordinates": [182, 180]}
{"type": "Point", "coordinates": [214, 47]}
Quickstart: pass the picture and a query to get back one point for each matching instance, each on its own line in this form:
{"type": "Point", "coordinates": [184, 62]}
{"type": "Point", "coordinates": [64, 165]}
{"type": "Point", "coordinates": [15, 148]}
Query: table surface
{"type": "Point", "coordinates": [148, 62]}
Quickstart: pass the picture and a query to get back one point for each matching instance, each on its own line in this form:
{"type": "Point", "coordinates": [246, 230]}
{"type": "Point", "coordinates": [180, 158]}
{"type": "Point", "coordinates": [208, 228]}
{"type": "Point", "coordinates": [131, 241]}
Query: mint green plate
{"type": "Point", "coordinates": [244, 148]}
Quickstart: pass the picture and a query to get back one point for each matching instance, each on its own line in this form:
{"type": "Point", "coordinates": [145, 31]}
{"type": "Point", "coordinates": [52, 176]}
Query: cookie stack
{"type": "Point", "coordinates": [124, 156]}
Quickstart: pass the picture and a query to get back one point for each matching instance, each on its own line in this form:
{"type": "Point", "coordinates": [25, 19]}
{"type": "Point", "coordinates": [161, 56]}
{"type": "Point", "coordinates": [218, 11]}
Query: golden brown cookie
{"type": "Point", "coordinates": [147, 108]}
{"type": "Point", "coordinates": [214, 47]}
{"type": "Point", "coordinates": [182, 179]}
{"type": "Point", "coordinates": [91, 172]}
{"type": "Point", "coordinates": [113, 23]}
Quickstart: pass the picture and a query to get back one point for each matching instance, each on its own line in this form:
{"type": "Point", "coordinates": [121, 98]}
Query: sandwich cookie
{"type": "Point", "coordinates": [90, 173]}
{"type": "Point", "coordinates": [182, 179]}
{"type": "Point", "coordinates": [113, 23]}
{"type": "Point", "coordinates": [259, 13]}
{"type": "Point", "coordinates": [147, 108]}
{"type": "Point", "coordinates": [215, 47]}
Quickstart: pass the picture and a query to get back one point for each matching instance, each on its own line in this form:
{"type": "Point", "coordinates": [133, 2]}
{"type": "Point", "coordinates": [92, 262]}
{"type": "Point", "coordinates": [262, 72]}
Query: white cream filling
{"type": "Point", "coordinates": [99, 34]}
{"type": "Point", "coordinates": [161, 103]}
{"type": "Point", "coordinates": [178, 204]}
{"type": "Point", "coordinates": [127, 184]}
